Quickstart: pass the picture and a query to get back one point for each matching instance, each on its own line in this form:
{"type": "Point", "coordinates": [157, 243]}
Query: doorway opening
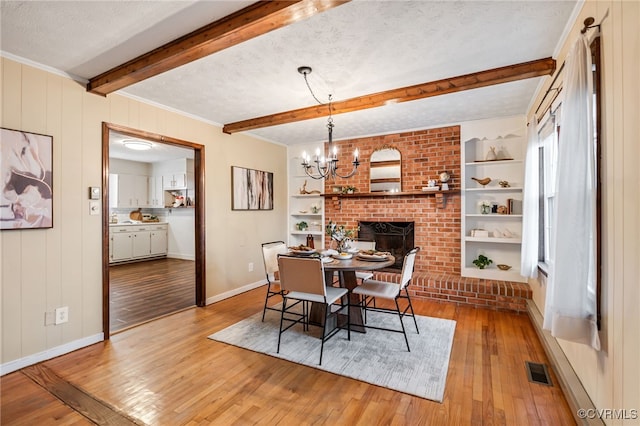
{"type": "Point", "coordinates": [153, 227]}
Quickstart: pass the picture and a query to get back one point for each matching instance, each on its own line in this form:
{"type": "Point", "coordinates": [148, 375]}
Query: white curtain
{"type": "Point", "coordinates": [530, 207]}
{"type": "Point", "coordinates": [570, 309]}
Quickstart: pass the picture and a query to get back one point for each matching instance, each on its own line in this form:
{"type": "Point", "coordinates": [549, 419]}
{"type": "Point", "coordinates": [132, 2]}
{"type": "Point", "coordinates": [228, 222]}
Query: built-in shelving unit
{"type": "Point", "coordinates": [504, 231]}
{"type": "Point", "coordinates": [301, 206]}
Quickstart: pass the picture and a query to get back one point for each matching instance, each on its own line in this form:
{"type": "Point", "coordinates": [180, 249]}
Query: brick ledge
{"type": "Point", "coordinates": [481, 293]}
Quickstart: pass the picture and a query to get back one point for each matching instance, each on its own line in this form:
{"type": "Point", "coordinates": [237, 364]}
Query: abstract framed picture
{"type": "Point", "coordinates": [26, 199]}
{"type": "Point", "coordinates": [251, 189]}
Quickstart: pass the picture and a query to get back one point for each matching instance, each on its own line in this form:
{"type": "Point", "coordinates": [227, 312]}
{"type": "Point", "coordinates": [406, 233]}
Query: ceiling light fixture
{"type": "Point", "coordinates": [137, 145]}
{"type": "Point", "coordinates": [326, 167]}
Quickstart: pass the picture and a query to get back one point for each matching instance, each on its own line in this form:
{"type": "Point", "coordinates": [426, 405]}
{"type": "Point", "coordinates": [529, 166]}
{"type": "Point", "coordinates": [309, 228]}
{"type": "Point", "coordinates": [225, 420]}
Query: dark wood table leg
{"type": "Point", "coordinates": [348, 280]}
{"type": "Point", "coordinates": [316, 313]}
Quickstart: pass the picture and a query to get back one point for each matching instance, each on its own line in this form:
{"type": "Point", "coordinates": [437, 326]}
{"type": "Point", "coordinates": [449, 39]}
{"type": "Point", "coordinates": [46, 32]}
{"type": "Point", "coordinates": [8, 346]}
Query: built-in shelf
{"type": "Point", "coordinates": [493, 240]}
{"type": "Point", "coordinates": [493, 273]}
{"type": "Point", "coordinates": [496, 189]}
{"type": "Point", "coordinates": [494, 215]}
{"type": "Point", "coordinates": [494, 162]}
{"type": "Point", "coordinates": [481, 139]}
{"type": "Point", "coordinates": [307, 232]}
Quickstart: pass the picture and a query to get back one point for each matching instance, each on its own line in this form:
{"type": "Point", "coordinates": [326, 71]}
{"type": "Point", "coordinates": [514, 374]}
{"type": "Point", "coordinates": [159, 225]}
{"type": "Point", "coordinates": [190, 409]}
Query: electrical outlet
{"type": "Point", "coordinates": [250, 266]}
{"type": "Point", "coordinates": [62, 315]}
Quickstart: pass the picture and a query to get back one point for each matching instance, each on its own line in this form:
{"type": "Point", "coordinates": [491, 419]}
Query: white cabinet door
{"type": "Point", "coordinates": [133, 190]}
{"type": "Point", "coordinates": [159, 241]}
{"type": "Point", "coordinates": [156, 193]}
{"type": "Point", "coordinates": [141, 243]}
{"type": "Point", "coordinates": [141, 191]}
{"type": "Point", "coordinates": [121, 248]}
{"type": "Point", "coordinates": [174, 181]}
{"type": "Point", "coordinates": [126, 191]}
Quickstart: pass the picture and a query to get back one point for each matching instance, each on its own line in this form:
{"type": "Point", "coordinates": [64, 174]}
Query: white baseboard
{"type": "Point", "coordinates": [181, 256]}
{"type": "Point", "coordinates": [576, 394]}
{"type": "Point", "coordinates": [11, 366]}
{"type": "Point", "coordinates": [235, 292]}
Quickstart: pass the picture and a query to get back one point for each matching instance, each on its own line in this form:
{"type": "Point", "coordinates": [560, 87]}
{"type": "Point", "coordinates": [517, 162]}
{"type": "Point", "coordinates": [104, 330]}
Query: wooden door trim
{"type": "Point", "coordinates": [199, 173]}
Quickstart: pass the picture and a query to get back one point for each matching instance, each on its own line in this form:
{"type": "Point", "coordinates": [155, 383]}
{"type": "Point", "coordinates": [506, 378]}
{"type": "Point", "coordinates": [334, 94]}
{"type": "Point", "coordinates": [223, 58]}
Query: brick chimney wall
{"type": "Point", "coordinates": [425, 153]}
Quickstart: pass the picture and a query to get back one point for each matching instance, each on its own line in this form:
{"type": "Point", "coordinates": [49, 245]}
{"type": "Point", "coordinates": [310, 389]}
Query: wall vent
{"type": "Point", "coordinates": [538, 373]}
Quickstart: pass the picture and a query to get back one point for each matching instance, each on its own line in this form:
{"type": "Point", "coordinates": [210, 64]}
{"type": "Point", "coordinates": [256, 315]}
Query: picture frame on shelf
{"type": "Point", "coordinates": [26, 165]}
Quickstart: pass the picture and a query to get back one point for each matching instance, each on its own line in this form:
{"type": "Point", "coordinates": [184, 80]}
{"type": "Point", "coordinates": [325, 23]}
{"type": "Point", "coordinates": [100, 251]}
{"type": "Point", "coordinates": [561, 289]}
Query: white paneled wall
{"type": "Point", "coordinates": [45, 269]}
{"type": "Point", "coordinates": [612, 376]}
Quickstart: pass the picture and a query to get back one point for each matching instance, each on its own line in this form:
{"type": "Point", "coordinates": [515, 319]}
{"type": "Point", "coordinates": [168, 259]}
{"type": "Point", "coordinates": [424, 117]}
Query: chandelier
{"type": "Point", "coordinates": [322, 167]}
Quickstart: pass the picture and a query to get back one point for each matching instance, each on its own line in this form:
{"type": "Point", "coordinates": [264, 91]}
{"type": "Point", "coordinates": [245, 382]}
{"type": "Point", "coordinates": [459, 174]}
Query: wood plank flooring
{"type": "Point", "coordinates": [142, 291]}
{"type": "Point", "coordinates": [166, 372]}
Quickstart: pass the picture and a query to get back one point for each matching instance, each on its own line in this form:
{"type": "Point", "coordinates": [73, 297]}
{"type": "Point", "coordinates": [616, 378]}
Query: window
{"type": "Point", "coordinates": [548, 137]}
{"type": "Point", "coordinates": [547, 150]}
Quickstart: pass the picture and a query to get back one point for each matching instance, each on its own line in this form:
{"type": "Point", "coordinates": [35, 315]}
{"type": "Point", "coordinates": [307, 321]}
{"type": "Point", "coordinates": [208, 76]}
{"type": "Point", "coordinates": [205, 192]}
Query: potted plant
{"type": "Point", "coordinates": [302, 225]}
{"type": "Point", "coordinates": [482, 261]}
{"type": "Point", "coordinates": [348, 189]}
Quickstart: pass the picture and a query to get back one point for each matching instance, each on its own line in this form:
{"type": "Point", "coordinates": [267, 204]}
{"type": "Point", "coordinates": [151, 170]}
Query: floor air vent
{"type": "Point", "coordinates": [538, 373]}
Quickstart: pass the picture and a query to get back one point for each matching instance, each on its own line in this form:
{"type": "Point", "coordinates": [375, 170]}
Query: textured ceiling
{"type": "Point", "coordinates": [354, 49]}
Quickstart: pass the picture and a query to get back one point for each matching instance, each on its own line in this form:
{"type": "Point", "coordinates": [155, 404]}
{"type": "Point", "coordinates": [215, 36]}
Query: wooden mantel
{"type": "Point", "coordinates": [441, 196]}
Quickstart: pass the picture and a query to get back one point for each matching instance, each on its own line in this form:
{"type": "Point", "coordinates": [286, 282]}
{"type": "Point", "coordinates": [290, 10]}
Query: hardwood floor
{"type": "Point", "coordinates": [142, 291]}
{"type": "Point", "coordinates": [166, 372]}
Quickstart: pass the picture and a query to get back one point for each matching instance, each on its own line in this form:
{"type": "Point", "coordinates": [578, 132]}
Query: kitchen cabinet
{"type": "Point", "coordinates": [120, 246]}
{"type": "Point", "coordinates": [158, 240]}
{"type": "Point", "coordinates": [499, 157]}
{"type": "Point", "coordinates": [176, 180]}
{"type": "Point", "coordinates": [137, 241]}
{"type": "Point", "coordinates": [156, 192]}
{"type": "Point", "coordinates": [131, 190]}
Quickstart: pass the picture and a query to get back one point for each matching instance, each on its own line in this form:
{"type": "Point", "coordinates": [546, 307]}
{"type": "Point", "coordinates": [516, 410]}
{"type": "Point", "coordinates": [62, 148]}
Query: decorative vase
{"type": "Point", "coordinates": [491, 155]}
{"type": "Point", "coordinates": [485, 209]}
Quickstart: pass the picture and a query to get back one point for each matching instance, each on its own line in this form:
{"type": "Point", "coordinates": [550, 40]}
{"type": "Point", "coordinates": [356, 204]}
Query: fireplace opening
{"type": "Point", "coordinates": [395, 237]}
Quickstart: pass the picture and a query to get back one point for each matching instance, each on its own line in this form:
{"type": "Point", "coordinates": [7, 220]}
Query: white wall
{"type": "Point", "coordinates": [612, 376]}
{"type": "Point", "coordinates": [62, 266]}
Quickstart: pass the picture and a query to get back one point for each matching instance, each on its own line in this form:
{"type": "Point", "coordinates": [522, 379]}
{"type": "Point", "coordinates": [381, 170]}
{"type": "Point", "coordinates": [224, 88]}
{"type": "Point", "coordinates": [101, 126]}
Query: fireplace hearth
{"type": "Point", "coordinates": [395, 237]}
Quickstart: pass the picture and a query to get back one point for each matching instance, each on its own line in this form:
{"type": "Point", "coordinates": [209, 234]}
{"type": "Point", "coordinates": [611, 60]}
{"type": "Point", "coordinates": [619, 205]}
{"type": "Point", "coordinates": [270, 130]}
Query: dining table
{"type": "Point", "coordinates": [346, 269]}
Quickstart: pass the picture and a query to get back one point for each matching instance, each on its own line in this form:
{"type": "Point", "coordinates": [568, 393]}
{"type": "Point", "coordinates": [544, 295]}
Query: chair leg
{"type": "Point", "coordinates": [324, 329]}
{"type": "Point", "coordinates": [266, 299]}
{"type": "Point", "coordinates": [412, 313]}
{"type": "Point", "coordinates": [402, 325]}
{"type": "Point", "coordinates": [348, 320]}
{"type": "Point", "coordinates": [284, 306]}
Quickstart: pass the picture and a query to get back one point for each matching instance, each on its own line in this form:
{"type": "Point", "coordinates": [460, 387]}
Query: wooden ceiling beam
{"type": "Point", "coordinates": [476, 80]}
{"type": "Point", "coordinates": [245, 24]}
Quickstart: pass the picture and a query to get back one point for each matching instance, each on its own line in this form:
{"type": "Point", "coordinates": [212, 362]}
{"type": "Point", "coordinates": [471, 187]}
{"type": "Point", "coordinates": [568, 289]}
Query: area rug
{"type": "Point", "coordinates": [376, 357]}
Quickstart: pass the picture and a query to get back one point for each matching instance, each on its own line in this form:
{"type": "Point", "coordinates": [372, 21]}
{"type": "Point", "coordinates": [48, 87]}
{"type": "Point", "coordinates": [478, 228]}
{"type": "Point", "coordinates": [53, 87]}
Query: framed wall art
{"type": "Point", "coordinates": [251, 189]}
{"type": "Point", "coordinates": [26, 199]}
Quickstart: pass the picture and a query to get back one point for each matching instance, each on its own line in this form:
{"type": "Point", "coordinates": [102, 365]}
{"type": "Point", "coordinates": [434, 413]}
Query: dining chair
{"type": "Point", "coordinates": [302, 280]}
{"type": "Point", "coordinates": [360, 245]}
{"type": "Point", "coordinates": [370, 290]}
{"type": "Point", "coordinates": [363, 245]}
{"type": "Point", "coordinates": [270, 252]}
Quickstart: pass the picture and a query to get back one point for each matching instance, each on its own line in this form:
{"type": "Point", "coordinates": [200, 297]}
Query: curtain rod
{"type": "Point", "coordinates": [550, 88]}
{"type": "Point", "coordinates": [588, 24]}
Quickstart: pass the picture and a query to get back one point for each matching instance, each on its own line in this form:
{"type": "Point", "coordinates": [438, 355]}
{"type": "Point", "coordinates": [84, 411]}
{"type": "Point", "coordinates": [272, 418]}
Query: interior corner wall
{"type": "Point", "coordinates": [62, 266]}
{"type": "Point", "coordinates": [611, 377]}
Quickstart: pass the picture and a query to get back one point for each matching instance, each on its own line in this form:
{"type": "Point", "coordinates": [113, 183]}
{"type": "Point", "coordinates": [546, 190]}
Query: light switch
{"type": "Point", "coordinates": [94, 192]}
{"type": "Point", "coordinates": [94, 208]}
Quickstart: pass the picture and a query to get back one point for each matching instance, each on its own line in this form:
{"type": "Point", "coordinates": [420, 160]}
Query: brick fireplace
{"type": "Point", "coordinates": [437, 221]}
